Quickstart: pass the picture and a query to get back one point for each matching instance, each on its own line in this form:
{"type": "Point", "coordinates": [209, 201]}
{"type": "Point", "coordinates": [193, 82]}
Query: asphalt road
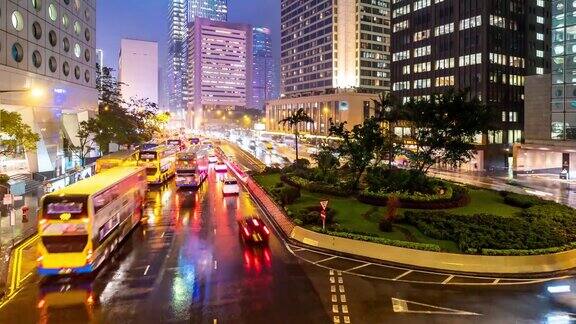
{"type": "Point", "coordinates": [186, 264]}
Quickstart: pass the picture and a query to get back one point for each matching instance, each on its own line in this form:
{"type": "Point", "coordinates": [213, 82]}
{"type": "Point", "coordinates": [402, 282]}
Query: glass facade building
{"type": "Point", "coordinates": [563, 103]}
{"type": "Point", "coordinates": [216, 10]}
{"type": "Point", "coordinates": [264, 79]}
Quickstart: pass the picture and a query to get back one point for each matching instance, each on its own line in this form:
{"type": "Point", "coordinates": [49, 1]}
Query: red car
{"type": "Point", "coordinates": [253, 230]}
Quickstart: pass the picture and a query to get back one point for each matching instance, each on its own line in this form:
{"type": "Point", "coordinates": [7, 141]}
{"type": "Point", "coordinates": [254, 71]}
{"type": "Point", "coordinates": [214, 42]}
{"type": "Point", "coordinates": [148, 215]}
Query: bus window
{"type": "Point", "coordinates": [65, 243]}
{"type": "Point", "coordinates": [147, 156]}
{"type": "Point", "coordinates": [72, 206]}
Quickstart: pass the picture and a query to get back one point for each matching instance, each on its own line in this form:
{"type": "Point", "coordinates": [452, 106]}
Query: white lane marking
{"type": "Point", "coordinates": [342, 298]}
{"type": "Point", "coordinates": [345, 309]}
{"type": "Point", "coordinates": [496, 281]}
{"type": "Point", "coordinates": [215, 265]}
{"type": "Point", "coordinates": [402, 275]}
{"type": "Point", "coordinates": [327, 259]}
{"type": "Point", "coordinates": [447, 279]}
{"type": "Point", "coordinates": [331, 272]}
{"type": "Point", "coordinates": [334, 298]}
{"type": "Point", "coordinates": [215, 321]}
{"type": "Point", "coordinates": [335, 309]}
{"type": "Point", "coordinates": [347, 319]}
{"type": "Point", "coordinates": [333, 288]}
{"type": "Point", "coordinates": [402, 306]}
{"type": "Point", "coordinates": [340, 280]}
{"type": "Point", "coordinates": [146, 270]}
{"type": "Point", "coordinates": [336, 319]}
{"type": "Point", "coordinates": [341, 288]}
{"type": "Point", "coordinates": [162, 234]}
{"type": "Point", "coordinates": [332, 280]}
{"type": "Point", "coordinates": [358, 267]}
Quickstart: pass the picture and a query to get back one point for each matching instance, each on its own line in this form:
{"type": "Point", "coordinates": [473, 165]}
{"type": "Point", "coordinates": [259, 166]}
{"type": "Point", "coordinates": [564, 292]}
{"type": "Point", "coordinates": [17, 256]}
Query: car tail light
{"type": "Point", "coordinates": [246, 231]}
{"type": "Point", "coordinates": [41, 303]}
{"type": "Point", "coordinates": [255, 221]}
{"type": "Point", "coordinates": [266, 230]}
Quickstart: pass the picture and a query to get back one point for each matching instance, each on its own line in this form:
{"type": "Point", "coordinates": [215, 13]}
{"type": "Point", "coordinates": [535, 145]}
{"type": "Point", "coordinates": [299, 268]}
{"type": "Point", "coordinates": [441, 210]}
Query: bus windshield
{"type": "Point", "coordinates": [151, 171]}
{"type": "Point", "coordinates": [65, 243]}
{"type": "Point", "coordinates": [148, 156]}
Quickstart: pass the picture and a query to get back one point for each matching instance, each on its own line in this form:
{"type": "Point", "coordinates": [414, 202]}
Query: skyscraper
{"type": "Point", "coordinates": [216, 10]}
{"type": "Point", "coordinates": [487, 47]}
{"type": "Point", "coordinates": [219, 62]}
{"type": "Point", "coordinates": [335, 58]}
{"type": "Point", "coordinates": [264, 86]}
{"type": "Point", "coordinates": [180, 13]}
{"type": "Point", "coordinates": [176, 65]}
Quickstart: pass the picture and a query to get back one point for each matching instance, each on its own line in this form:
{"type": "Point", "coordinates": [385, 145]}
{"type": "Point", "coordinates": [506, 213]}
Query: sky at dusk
{"type": "Point", "coordinates": [147, 20]}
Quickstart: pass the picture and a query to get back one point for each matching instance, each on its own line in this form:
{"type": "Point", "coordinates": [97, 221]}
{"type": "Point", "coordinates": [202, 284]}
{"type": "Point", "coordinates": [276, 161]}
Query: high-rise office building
{"type": "Point", "coordinates": [264, 80]}
{"type": "Point", "coordinates": [219, 67]}
{"type": "Point", "coordinates": [326, 46]}
{"type": "Point", "coordinates": [47, 54]}
{"type": "Point", "coordinates": [487, 47]}
{"type": "Point", "coordinates": [180, 13]}
{"type": "Point", "coordinates": [216, 10]}
{"type": "Point", "coordinates": [176, 61]}
{"type": "Point", "coordinates": [138, 69]}
{"type": "Point", "coordinates": [336, 51]}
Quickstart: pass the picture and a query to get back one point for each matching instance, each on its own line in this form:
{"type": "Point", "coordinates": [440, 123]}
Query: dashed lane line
{"type": "Point", "coordinates": [358, 267]}
{"type": "Point", "coordinates": [146, 270]}
{"type": "Point", "coordinates": [402, 275]}
{"type": "Point", "coordinates": [447, 279]}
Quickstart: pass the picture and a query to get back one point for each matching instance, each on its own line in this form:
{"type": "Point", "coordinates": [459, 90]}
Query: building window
{"type": "Point", "coordinates": [65, 20]}
{"type": "Point", "coordinates": [52, 64]}
{"type": "Point", "coordinates": [422, 84]}
{"type": "Point", "coordinates": [36, 30]}
{"type": "Point", "coordinates": [66, 68]}
{"type": "Point", "coordinates": [421, 35]}
{"type": "Point", "coordinates": [422, 51]}
{"type": "Point", "coordinates": [87, 55]}
{"type": "Point", "coordinates": [77, 5]}
{"type": "Point", "coordinates": [52, 12]}
{"type": "Point", "coordinates": [52, 38]}
{"type": "Point", "coordinates": [87, 34]}
{"type": "Point", "coordinates": [36, 59]}
{"type": "Point", "coordinates": [503, 116]}
{"type": "Point", "coordinates": [37, 4]}
{"type": "Point", "coordinates": [17, 21]}
{"type": "Point", "coordinates": [77, 73]}
{"type": "Point", "coordinates": [539, 70]}
{"type": "Point", "coordinates": [406, 69]}
{"type": "Point", "coordinates": [471, 22]}
{"type": "Point", "coordinates": [444, 29]}
{"type": "Point", "coordinates": [446, 63]}
{"type": "Point", "coordinates": [17, 52]}
{"type": "Point", "coordinates": [400, 26]}
{"type": "Point", "coordinates": [513, 116]}
{"type": "Point", "coordinates": [422, 67]}
{"type": "Point", "coordinates": [77, 28]}
{"type": "Point", "coordinates": [540, 36]}
{"type": "Point", "coordinates": [470, 59]}
{"type": "Point", "coordinates": [497, 21]}
{"type": "Point", "coordinates": [87, 14]}
{"type": "Point", "coordinates": [87, 76]}
{"type": "Point", "coordinates": [77, 50]}
{"type": "Point", "coordinates": [66, 44]}
{"type": "Point", "coordinates": [540, 19]}
{"type": "Point", "coordinates": [444, 81]}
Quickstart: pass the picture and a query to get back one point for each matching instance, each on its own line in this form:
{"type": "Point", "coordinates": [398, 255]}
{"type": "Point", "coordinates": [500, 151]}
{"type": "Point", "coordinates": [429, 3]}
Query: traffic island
{"type": "Point", "coordinates": [426, 239]}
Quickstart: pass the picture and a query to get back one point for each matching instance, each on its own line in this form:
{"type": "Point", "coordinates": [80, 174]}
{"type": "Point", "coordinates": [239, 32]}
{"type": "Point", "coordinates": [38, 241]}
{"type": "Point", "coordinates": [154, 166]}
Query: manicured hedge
{"type": "Point", "coordinates": [567, 247]}
{"type": "Point", "coordinates": [315, 187]}
{"type": "Point", "coordinates": [539, 227]}
{"type": "Point", "coordinates": [522, 201]}
{"type": "Point", "coordinates": [380, 240]}
{"type": "Point", "coordinates": [453, 197]}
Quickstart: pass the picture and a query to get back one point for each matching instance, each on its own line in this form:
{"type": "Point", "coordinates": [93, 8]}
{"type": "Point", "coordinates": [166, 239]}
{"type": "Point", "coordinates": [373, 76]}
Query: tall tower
{"type": "Point", "coordinates": [216, 10]}
{"type": "Point", "coordinates": [176, 66]}
{"type": "Point", "coordinates": [264, 81]}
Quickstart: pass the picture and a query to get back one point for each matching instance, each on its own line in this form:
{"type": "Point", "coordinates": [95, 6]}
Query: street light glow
{"type": "Point", "coordinates": [37, 92]}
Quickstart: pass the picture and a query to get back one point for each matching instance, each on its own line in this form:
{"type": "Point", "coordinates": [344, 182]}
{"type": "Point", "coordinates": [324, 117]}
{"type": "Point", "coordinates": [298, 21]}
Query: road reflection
{"type": "Point", "coordinates": [66, 300]}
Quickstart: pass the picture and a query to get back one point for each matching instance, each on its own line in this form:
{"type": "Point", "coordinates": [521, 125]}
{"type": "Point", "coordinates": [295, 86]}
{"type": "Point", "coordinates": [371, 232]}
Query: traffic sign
{"type": "Point", "coordinates": [323, 214]}
{"type": "Point", "coordinates": [324, 203]}
{"type": "Point", "coordinates": [18, 198]}
{"type": "Point", "coordinates": [8, 199]}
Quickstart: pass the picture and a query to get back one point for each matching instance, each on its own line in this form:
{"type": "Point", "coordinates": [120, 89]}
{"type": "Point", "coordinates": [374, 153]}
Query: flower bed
{"type": "Point", "coordinates": [314, 186]}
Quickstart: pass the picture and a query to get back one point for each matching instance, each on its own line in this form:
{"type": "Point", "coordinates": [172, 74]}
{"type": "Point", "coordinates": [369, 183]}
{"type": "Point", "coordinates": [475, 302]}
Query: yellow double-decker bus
{"type": "Point", "coordinates": [120, 158]}
{"type": "Point", "coordinates": [160, 163]}
{"type": "Point", "coordinates": [80, 225]}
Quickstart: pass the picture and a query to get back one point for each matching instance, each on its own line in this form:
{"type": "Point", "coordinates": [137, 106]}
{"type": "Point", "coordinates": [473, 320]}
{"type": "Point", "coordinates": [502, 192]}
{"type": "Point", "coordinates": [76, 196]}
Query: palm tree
{"type": "Point", "coordinates": [389, 110]}
{"type": "Point", "coordinates": [299, 116]}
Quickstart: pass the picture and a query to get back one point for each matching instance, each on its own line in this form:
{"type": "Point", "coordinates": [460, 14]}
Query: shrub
{"type": "Point", "coordinates": [285, 195]}
{"type": "Point", "coordinates": [453, 196]}
{"type": "Point", "coordinates": [385, 225]}
{"type": "Point", "coordinates": [311, 215]}
{"type": "Point", "coordinates": [271, 170]}
{"type": "Point", "coordinates": [381, 179]}
{"type": "Point", "coordinates": [313, 186]}
{"type": "Point", "coordinates": [380, 240]}
{"type": "Point", "coordinates": [521, 201]}
{"type": "Point", "coordinates": [4, 179]}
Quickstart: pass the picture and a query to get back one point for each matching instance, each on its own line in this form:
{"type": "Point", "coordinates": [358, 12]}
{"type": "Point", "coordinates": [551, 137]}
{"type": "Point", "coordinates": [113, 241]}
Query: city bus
{"type": "Point", "coordinates": [120, 158]}
{"type": "Point", "coordinates": [160, 163]}
{"type": "Point", "coordinates": [176, 143]}
{"type": "Point", "coordinates": [80, 225]}
{"type": "Point", "coordinates": [191, 169]}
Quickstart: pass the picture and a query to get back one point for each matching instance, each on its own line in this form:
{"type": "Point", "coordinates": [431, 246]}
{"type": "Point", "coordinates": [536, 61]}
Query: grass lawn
{"type": "Point", "coordinates": [359, 217]}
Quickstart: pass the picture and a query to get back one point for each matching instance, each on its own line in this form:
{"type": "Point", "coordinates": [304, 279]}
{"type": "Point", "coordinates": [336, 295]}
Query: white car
{"type": "Point", "coordinates": [220, 167]}
{"type": "Point", "coordinates": [212, 158]}
{"type": "Point", "coordinates": [230, 187]}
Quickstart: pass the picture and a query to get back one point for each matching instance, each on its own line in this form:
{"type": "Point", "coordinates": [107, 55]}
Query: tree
{"type": "Point", "coordinates": [293, 121]}
{"type": "Point", "coordinates": [326, 162]}
{"type": "Point", "coordinates": [388, 110]}
{"type": "Point", "coordinates": [15, 134]}
{"type": "Point", "coordinates": [359, 146]}
{"type": "Point", "coordinates": [445, 127]}
{"type": "Point", "coordinates": [85, 143]}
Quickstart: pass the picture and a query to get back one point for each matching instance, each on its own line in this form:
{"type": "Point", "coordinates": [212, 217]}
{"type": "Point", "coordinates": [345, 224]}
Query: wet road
{"type": "Point", "coordinates": [186, 264]}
